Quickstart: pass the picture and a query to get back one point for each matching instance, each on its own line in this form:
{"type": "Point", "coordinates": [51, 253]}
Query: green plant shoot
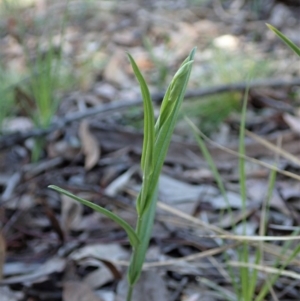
{"type": "Point", "coordinates": [157, 137]}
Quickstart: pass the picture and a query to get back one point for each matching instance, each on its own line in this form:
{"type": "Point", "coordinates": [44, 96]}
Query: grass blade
{"type": "Point", "coordinates": [224, 293]}
{"type": "Point", "coordinates": [245, 273]}
{"type": "Point", "coordinates": [134, 240]}
{"type": "Point", "coordinates": [285, 39]}
{"type": "Point", "coordinates": [259, 251]}
{"type": "Point", "coordinates": [208, 158]}
{"type": "Point", "coordinates": [266, 287]}
{"type": "Point", "coordinates": [200, 138]}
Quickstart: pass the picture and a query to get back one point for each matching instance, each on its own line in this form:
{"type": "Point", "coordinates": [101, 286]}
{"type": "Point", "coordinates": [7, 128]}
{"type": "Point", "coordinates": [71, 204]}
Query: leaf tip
{"type": "Point", "coordinates": [193, 52]}
{"type": "Point", "coordinates": [129, 56]}
{"type": "Point", "coordinates": [53, 187]}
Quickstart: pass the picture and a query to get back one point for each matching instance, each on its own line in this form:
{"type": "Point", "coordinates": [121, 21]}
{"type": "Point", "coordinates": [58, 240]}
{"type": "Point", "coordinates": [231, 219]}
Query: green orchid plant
{"type": "Point", "coordinates": [157, 137]}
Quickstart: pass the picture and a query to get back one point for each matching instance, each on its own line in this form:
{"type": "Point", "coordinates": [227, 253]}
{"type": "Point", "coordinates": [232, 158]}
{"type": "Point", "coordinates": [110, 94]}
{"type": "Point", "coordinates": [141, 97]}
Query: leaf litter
{"type": "Point", "coordinates": [96, 40]}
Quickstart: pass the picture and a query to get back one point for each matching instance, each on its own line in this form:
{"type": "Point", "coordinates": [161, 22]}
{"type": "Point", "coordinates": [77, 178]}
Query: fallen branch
{"type": "Point", "coordinates": [15, 138]}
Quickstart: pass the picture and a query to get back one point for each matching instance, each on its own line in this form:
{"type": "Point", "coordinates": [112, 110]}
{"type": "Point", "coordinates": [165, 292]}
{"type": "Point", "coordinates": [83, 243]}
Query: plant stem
{"type": "Point", "coordinates": [143, 230]}
{"type": "Point", "coordinates": [129, 293]}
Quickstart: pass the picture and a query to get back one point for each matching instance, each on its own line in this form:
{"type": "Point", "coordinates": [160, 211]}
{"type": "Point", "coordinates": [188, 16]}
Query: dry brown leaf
{"type": "Point", "coordinates": [62, 148]}
{"type": "Point", "coordinates": [2, 253]}
{"type": "Point", "coordinates": [109, 252]}
{"type": "Point", "coordinates": [9, 295]}
{"type": "Point", "coordinates": [144, 63]}
{"type": "Point", "coordinates": [183, 39]}
{"type": "Point", "coordinates": [99, 277]}
{"type": "Point", "coordinates": [114, 72]}
{"type": "Point", "coordinates": [184, 196]}
{"type": "Point", "coordinates": [118, 184]}
{"type": "Point", "coordinates": [293, 122]}
{"type": "Point", "coordinates": [53, 265]}
{"type": "Point", "coordinates": [17, 124]}
{"type": "Point", "coordinates": [150, 287]}
{"type": "Point", "coordinates": [53, 220]}
{"type": "Point", "coordinates": [194, 297]}
{"type": "Point", "coordinates": [128, 38]}
{"type": "Point", "coordinates": [90, 146]}
{"type": "Point", "coordinates": [78, 291]}
{"type": "Point", "coordinates": [71, 214]}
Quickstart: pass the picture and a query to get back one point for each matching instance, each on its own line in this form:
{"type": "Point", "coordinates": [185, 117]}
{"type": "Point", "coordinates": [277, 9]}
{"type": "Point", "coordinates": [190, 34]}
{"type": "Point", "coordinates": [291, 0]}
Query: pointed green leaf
{"type": "Point", "coordinates": [148, 144]}
{"type": "Point", "coordinates": [164, 127]}
{"type": "Point", "coordinates": [134, 241]}
{"type": "Point", "coordinates": [147, 155]}
{"type": "Point", "coordinates": [285, 39]}
{"type": "Point", "coordinates": [173, 93]}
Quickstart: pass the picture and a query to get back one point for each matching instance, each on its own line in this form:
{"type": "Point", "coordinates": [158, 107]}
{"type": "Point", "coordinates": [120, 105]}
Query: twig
{"type": "Point", "coordinates": [277, 82]}
{"type": "Point", "coordinates": [12, 139]}
{"type": "Point", "coordinates": [11, 185]}
{"type": "Point", "coordinates": [179, 289]}
{"type": "Point", "coordinates": [9, 140]}
{"type": "Point", "coordinates": [34, 169]}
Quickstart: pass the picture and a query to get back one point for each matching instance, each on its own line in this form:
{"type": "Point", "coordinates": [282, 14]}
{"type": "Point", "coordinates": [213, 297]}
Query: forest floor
{"type": "Point", "coordinates": [71, 115]}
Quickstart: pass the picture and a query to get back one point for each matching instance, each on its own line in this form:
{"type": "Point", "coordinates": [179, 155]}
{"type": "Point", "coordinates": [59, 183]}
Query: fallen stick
{"type": "Point", "coordinates": [9, 140]}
